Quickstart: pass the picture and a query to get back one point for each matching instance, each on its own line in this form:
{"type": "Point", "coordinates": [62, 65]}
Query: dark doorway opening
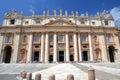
{"type": "Point", "coordinates": [71, 58]}
{"type": "Point", "coordinates": [51, 58]}
{"type": "Point", "coordinates": [7, 54]}
{"type": "Point", "coordinates": [111, 53]}
{"type": "Point", "coordinates": [36, 56]}
{"type": "Point", "coordinates": [61, 56]}
{"type": "Point", "coordinates": [85, 55]}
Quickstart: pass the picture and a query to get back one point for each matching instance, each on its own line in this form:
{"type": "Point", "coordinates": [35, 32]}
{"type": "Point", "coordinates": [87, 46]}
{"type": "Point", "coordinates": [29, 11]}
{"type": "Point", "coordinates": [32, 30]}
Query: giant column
{"type": "Point", "coordinates": [91, 47]}
{"type": "Point", "coordinates": [1, 44]}
{"type": "Point", "coordinates": [47, 48]}
{"type": "Point", "coordinates": [67, 48]}
{"type": "Point", "coordinates": [80, 48]}
{"type": "Point", "coordinates": [29, 56]}
{"type": "Point", "coordinates": [16, 47]}
{"type": "Point", "coordinates": [42, 47]}
{"type": "Point", "coordinates": [55, 48]}
{"type": "Point", "coordinates": [75, 48]}
{"type": "Point", "coordinates": [104, 48]}
{"type": "Point", "coordinates": [117, 47]}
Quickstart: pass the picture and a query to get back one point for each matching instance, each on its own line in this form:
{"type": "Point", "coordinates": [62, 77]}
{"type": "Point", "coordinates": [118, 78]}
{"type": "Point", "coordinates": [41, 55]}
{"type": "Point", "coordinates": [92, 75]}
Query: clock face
{"type": "Point", "coordinates": [117, 23]}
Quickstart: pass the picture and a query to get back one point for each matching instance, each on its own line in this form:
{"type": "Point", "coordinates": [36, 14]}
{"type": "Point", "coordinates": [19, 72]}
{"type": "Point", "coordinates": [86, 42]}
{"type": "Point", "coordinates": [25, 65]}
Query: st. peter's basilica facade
{"type": "Point", "coordinates": [59, 38]}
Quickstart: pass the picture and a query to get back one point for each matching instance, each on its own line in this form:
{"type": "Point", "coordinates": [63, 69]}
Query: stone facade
{"type": "Point", "coordinates": [59, 38]}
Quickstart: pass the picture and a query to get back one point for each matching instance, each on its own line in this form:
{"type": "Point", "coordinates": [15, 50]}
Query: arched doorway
{"type": "Point", "coordinates": [51, 58]}
{"type": "Point", "coordinates": [7, 54]}
{"type": "Point", "coordinates": [71, 58]}
{"type": "Point", "coordinates": [111, 50]}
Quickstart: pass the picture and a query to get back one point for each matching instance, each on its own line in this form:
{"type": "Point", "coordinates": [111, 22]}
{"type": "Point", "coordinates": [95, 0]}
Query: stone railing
{"type": "Point", "coordinates": [28, 76]}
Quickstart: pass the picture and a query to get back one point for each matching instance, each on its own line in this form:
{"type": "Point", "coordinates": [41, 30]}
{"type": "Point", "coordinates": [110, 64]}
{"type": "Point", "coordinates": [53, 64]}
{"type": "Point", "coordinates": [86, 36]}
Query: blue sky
{"type": "Point", "coordinates": [92, 6]}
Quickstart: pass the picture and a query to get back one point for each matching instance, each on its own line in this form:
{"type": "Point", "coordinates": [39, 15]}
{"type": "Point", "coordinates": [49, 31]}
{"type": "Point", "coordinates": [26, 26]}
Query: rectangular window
{"type": "Point", "coordinates": [26, 22]}
{"type": "Point", "coordinates": [61, 38]}
{"type": "Point", "coordinates": [70, 38]}
{"type": "Point", "coordinates": [109, 38]}
{"type": "Point", "coordinates": [12, 21]}
{"type": "Point", "coordinates": [37, 38]}
{"type": "Point", "coordinates": [37, 22]}
{"type": "Point", "coordinates": [106, 23]}
{"type": "Point", "coordinates": [51, 38]}
{"type": "Point", "coordinates": [9, 38]}
{"type": "Point", "coordinates": [83, 38]}
{"type": "Point", "coordinates": [93, 23]}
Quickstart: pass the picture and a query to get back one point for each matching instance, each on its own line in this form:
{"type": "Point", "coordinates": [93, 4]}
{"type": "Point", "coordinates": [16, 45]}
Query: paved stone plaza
{"type": "Point", "coordinates": [103, 71]}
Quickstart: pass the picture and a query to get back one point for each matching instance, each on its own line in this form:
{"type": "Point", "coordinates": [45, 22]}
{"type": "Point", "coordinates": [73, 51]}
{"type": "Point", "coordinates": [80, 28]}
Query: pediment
{"type": "Point", "coordinates": [60, 22]}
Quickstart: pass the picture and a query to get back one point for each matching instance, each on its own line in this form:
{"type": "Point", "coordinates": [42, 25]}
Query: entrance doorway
{"type": "Point", "coordinates": [7, 54]}
{"type": "Point", "coordinates": [111, 53]}
{"type": "Point", "coordinates": [61, 56]}
{"type": "Point", "coordinates": [50, 58]}
{"type": "Point", "coordinates": [36, 56]}
{"type": "Point", "coordinates": [85, 55]}
{"type": "Point", "coordinates": [71, 58]}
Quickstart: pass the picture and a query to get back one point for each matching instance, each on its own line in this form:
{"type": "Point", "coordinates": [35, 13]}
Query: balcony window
{"type": "Point", "coordinates": [51, 38]}
{"type": "Point", "coordinates": [109, 38]}
{"type": "Point", "coordinates": [70, 38]}
{"type": "Point", "coordinates": [9, 38]}
{"type": "Point", "coordinates": [61, 38]}
{"type": "Point", "coordinates": [83, 38]}
{"type": "Point", "coordinates": [37, 38]}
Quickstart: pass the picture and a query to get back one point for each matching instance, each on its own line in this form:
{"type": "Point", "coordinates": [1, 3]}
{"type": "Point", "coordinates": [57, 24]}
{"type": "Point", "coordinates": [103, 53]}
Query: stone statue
{"type": "Point", "coordinates": [86, 14]}
{"type": "Point", "coordinates": [76, 13]}
{"type": "Point", "coordinates": [55, 13]}
{"type": "Point", "coordinates": [43, 13]}
{"type": "Point", "coordinates": [66, 13]}
{"type": "Point", "coordinates": [72, 13]}
{"type": "Point", "coordinates": [48, 13]}
{"type": "Point", "coordinates": [60, 12]}
{"type": "Point", "coordinates": [33, 13]}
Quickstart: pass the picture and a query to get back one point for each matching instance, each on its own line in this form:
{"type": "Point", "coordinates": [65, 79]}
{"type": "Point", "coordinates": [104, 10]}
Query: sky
{"type": "Point", "coordinates": [38, 6]}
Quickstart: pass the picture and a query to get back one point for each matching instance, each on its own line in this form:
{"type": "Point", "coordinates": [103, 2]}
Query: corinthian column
{"type": "Point", "coordinates": [42, 47]}
{"type": "Point", "coordinates": [117, 47]}
{"type": "Point", "coordinates": [79, 45]}
{"type": "Point", "coordinates": [104, 48]}
{"type": "Point", "coordinates": [1, 44]}
{"type": "Point", "coordinates": [75, 48]}
{"type": "Point", "coordinates": [30, 47]}
{"type": "Point", "coordinates": [16, 47]}
{"type": "Point", "coordinates": [67, 48]}
{"type": "Point", "coordinates": [55, 47]}
{"type": "Point", "coordinates": [47, 48]}
{"type": "Point", "coordinates": [90, 47]}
